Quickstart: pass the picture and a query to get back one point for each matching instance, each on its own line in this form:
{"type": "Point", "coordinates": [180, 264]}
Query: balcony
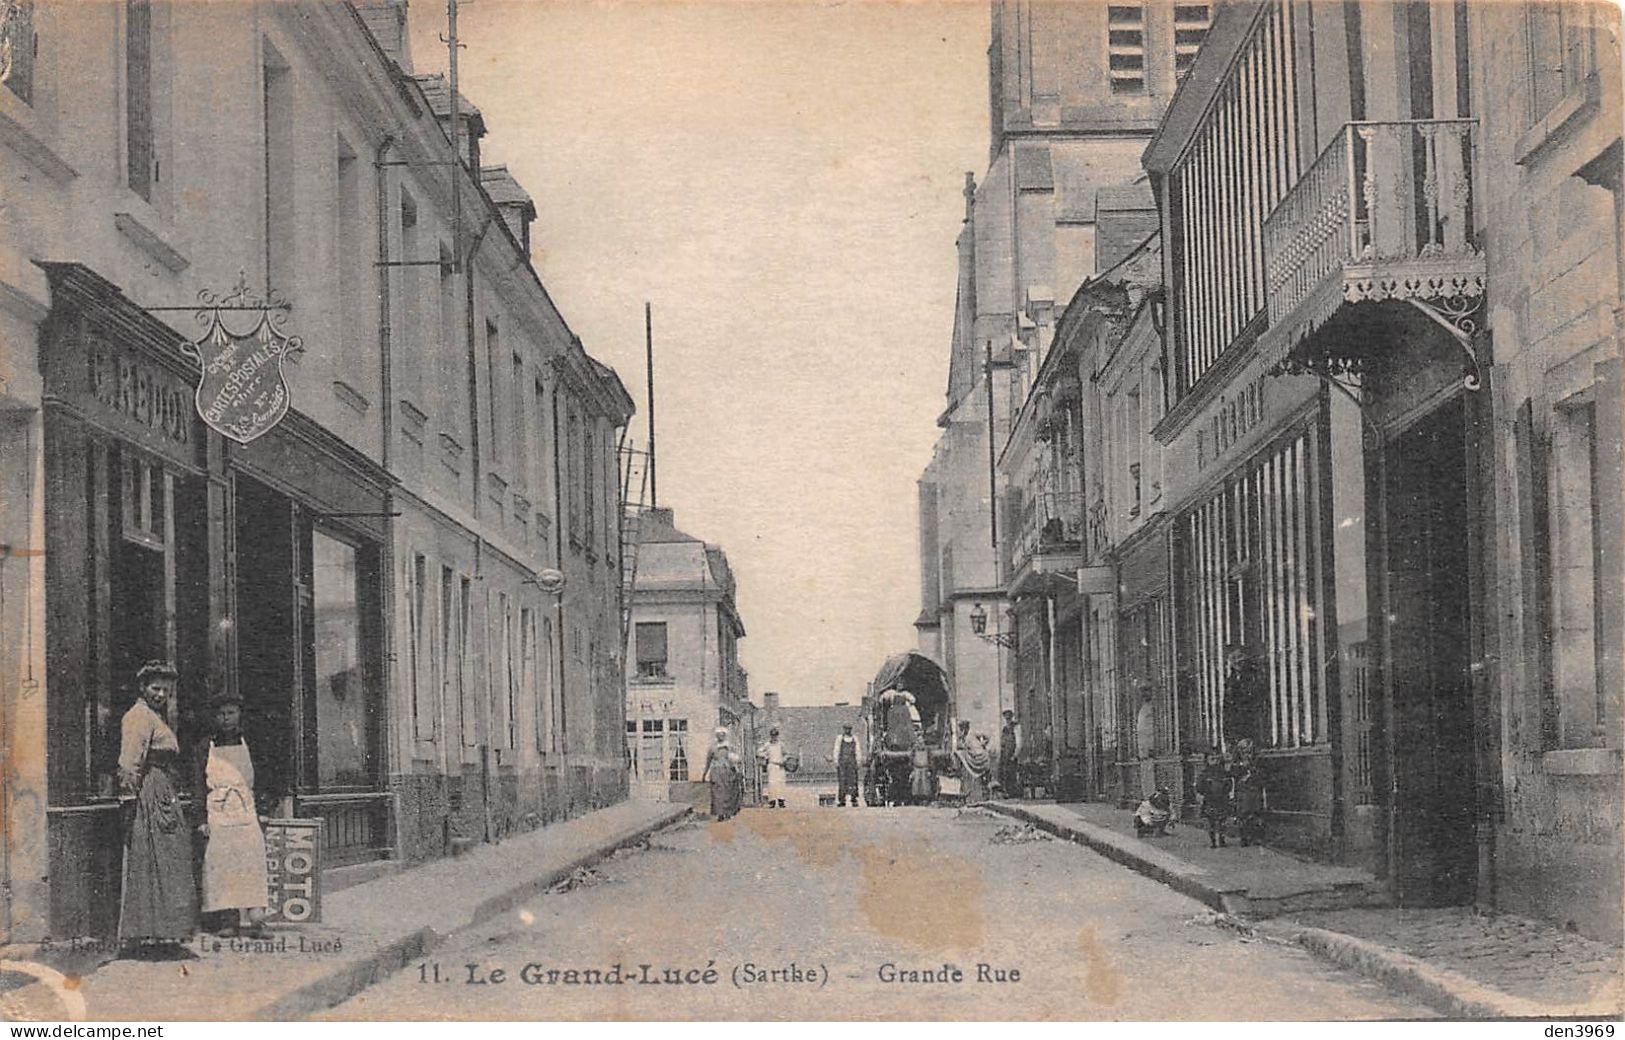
{"type": "Point", "coordinates": [1047, 539]}
{"type": "Point", "coordinates": [1384, 215]}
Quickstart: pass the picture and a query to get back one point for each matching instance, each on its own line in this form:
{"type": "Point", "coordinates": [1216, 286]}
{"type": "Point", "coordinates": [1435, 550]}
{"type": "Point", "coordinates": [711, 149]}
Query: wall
{"type": "Point", "coordinates": [1553, 250]}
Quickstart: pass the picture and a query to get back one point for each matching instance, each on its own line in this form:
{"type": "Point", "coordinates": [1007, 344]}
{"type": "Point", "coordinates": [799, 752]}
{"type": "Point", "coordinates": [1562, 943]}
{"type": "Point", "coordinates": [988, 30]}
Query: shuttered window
{"type": "Point", "coordinates": [139, 153]}
{"type": "Point", "coordinates": [651, 649]}
{"type": "Point", "coordinates": [1238, 166]}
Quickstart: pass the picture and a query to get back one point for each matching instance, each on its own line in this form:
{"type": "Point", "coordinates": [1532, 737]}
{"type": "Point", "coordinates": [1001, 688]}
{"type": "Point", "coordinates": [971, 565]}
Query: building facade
{"type": "Point", "coordinates": [1391, 366]}
{"type": "Point", "coordinates": [1075, 91]}
{"type": "Point", "coordinates": [683, 677]}
{"type": "Point", "coordinates": [365, 573]}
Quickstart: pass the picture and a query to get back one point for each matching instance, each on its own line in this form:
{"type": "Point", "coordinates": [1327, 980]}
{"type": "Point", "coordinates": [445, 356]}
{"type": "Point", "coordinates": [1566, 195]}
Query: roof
{"type": "Point", "coordinates": [438, 94]}
{"type": "Point", "coordinates": [810, 730]}
{"type": "Point", "coordinates": [504, 189]}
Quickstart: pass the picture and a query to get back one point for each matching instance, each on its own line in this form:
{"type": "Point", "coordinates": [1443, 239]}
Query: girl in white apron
{"type": "Point", "coordinates": [234, 877]}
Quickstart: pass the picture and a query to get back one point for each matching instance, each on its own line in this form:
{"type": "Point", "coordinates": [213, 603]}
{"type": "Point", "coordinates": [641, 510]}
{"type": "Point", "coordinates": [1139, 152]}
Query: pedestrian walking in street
{"type": "Point", "coordinates": [771, 757]}
{"type": "Point", "coordinates": [1213, 788]}
{"type": "Point", "coordinates": [846, 754]}
{"type": "Point", "coordinates": [1009, 756]}
{"type": "Point", "coordinates": [975, 763]}
{"type": "Point", "coordinates": [159, 908]}
{"type": "Point", "coordinates": [722, 773]}
{"type": "Point", "coordinates": [234, 875]}
{"type": "Point", "coordinates": [919, 779]}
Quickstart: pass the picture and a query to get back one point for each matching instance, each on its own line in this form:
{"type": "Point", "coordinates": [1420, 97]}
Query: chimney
{"type": "Point", "coordinates": [387, 23]}
{"type": "Point", "coordinates": [770, 701]}
{"type": "Point", "coordinates": [663, 515]}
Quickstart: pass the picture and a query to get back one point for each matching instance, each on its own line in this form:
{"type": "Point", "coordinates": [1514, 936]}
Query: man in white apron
{"type": "Point", "coordinates": [234, 877]}
{"type": "Point", "coordinates": [771, 755]}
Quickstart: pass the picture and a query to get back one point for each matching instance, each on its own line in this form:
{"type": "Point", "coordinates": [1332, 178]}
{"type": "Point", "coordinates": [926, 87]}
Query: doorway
{"type": "Point", "coordinates": [1432, 851]}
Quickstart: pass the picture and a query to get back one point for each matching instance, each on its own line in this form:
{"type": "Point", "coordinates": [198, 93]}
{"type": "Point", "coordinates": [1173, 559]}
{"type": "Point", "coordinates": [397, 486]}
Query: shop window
{"type": "Point", "coordinates": [677, 730]}
{"type": "Point", "coordinates": [1253, 580]}
{"type": "Point", "coordinates": [651, 749]}
{"type": "Point", "coordinates": [345, 716]}
{"type": "Point", "coordinates": [651, 650]}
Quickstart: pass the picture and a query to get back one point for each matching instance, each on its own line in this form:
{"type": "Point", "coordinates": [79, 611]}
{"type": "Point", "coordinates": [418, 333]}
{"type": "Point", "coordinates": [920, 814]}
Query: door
{"type": "Point", "coordinates": [1432, 851]}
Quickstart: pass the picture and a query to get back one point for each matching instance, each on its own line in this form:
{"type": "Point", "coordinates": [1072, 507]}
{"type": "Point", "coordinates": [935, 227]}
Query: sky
{"type": "Point", "coordinates": [783, 183]}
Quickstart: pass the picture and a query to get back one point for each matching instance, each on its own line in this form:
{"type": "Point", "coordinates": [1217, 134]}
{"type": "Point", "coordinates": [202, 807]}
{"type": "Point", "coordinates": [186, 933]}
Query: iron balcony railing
{"type": "Point", "coordinates": [1051, 521]}
{"type": "Point", "coordinates": [1386, 211]}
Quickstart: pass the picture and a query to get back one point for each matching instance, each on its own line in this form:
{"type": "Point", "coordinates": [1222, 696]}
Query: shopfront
{"type": "Point", "coordinates": [129, 572]}
{"type": "Point", "coordinates": [308, 536]}
{"type": "Point", "coordinates": [253, 568]}
{"type": "Point", "coordinates": [1251, 597]}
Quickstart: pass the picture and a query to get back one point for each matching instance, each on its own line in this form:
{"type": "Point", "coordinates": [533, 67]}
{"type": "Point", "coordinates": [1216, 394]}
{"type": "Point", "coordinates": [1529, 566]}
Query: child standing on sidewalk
{"type": "Point", "coordinates": [1214, 790]}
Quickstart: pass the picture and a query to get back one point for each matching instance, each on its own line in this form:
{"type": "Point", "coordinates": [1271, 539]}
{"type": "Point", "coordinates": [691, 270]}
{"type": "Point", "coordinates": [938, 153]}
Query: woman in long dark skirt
{"type": "Point", "coordinates": [160, 904]}
{"type": "Point", "coordinates": [722, 773]}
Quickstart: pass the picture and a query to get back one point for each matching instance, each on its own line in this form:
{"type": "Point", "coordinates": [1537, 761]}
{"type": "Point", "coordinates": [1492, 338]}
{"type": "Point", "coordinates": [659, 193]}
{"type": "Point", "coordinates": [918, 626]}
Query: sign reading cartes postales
{"type": "Point", "coordinates": [293, 867]}
{"type": "Point", "coordinates": [242, 393]}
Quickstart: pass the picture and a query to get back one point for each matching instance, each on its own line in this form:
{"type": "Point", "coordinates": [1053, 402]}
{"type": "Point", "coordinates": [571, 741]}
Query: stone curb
{"type": "Point", "coordinates": [348, 979]}
{"type": "Point", "coordinates": [1190, 883]}
{"type": "Point", "coordinates": [1449, 992]}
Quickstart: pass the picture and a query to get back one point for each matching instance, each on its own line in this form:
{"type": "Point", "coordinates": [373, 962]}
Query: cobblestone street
{"type": "Point", "coordinates": [841, 895]}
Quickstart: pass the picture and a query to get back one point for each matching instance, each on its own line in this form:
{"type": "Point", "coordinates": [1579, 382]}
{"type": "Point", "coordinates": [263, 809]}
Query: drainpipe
{"type": "Point", "coordinates": [386, 414]}
{"type": "Point", "coordinates": [559, 720]}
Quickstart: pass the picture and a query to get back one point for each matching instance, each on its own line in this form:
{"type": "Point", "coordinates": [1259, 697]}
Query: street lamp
{"type": "Point", "coordinates": [978, 627]}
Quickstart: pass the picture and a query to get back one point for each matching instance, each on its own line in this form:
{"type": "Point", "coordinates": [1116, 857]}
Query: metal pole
{"type": "Point", "coordinates": [649, 361]}
{"type": "Point", "coordinates": [992, 463]}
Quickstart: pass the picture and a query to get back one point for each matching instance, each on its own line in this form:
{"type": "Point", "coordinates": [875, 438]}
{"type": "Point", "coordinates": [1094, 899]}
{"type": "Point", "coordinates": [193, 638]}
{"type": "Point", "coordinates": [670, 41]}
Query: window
{"type": "Point", "coordinates": [589, 486]}
{"type": "Point", "coordinates": [345, 714]}
{"type": "Point", "coordinates": [572, 489]}
{"type": "Point", "coordinates": [140, 152]}
{"type": "Point", "coordinates": [1125, 48]}
{"type": "Point", "coordinates": [677, 737]}
{"type": "Point", "coordinates": [651, 649]}
{"type": "Point", "coordinates": [453, 374]}
{"type": "Point", "coordinates": [651, 749]}
{"type": "Point", "coordinates": [518, 425]}
{"type": "Point", "coordinates": [423, 711]}
{"type": "Point", "coordinates": [18, 48]}
{"type": "Point", "coordinates": [1559, 52]}
{"type": "Point", "coordinates": [409, 336]}
{"type": "Point", "coordinates": [279, 173]}
{"type": "Point", "coordinates": [347, 255]}
{"type": "Point", "coordinates": [1190, 29]}
{"type": "Point", "coordinates": [492, 352]}
{"type": "Point", "coordinates": [1576, 622]}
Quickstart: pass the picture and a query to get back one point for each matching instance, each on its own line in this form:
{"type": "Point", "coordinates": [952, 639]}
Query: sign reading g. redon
{"type": "Point", "coordinates": [241, 393]}
{"type": "Point", "coordinates": [293, 865]}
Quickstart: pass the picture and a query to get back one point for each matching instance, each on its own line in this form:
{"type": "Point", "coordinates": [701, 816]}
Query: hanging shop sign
{"type": "Point", "coordinates": [242, 393]}
{"type": "Point", "coordinates": [293, 867]}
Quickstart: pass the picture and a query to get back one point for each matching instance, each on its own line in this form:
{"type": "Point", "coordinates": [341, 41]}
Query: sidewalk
{"type": "Point", "coordinates": [1253, 881]}
{"type": "Point", "coordinates": [1464, 963]}
{"type": "Point", "coordinates": [368, 931]}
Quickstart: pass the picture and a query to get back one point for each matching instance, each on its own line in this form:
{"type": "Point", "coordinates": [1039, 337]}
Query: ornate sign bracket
{"type": "Point", "coordinates": [1454, 314]}
{"type": "Point", "coordinates": [241, 392]}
